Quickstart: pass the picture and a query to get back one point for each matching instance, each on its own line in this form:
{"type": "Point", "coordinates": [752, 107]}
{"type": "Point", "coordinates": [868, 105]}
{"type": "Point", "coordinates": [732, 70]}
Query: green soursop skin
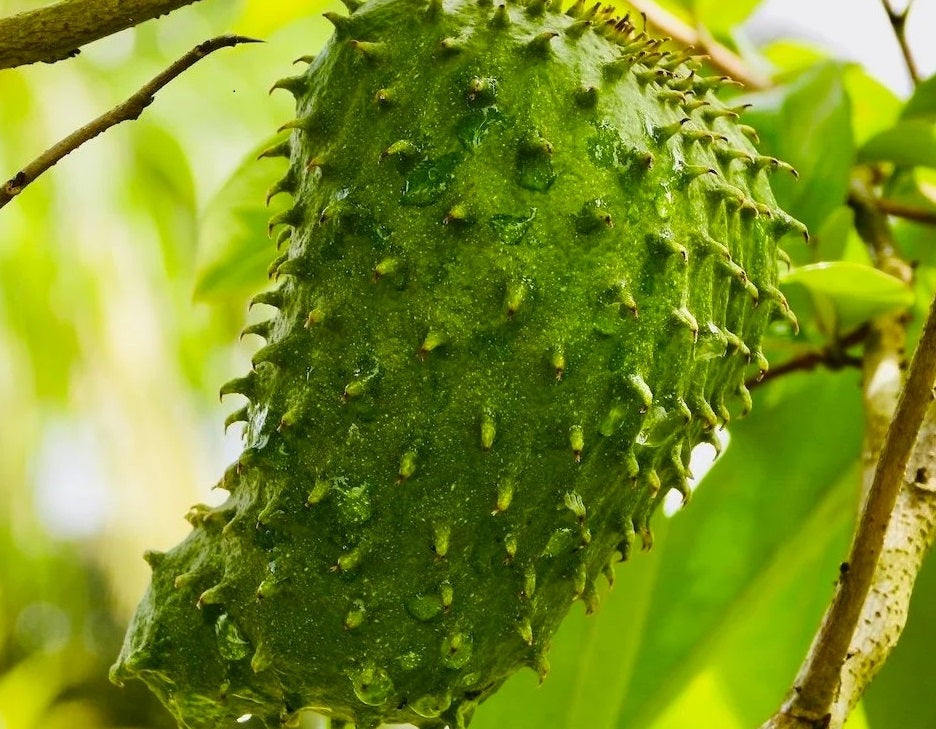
{"type": "Point", "coordinates": [527, 269]}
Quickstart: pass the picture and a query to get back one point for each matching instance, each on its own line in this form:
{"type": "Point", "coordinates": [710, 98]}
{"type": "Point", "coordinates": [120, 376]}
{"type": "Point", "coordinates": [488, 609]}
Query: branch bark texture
{"type": "Point", "coordinates": [127, 111]}
{"type": "Point", "coordinates": [57, 31]}
{"type": "Point", "coordinates": [907, 212]}
{"type": "Point", "coordinates": [911, 533]}
{"type": "Point", "coordinates": [911, 529]}
{"type": "Point", "coordinates": [895, 528]}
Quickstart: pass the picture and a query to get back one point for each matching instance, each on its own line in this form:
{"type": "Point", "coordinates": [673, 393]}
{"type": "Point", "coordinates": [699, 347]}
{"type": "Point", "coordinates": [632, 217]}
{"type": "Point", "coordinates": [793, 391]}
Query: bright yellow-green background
{"type": "Point", "coordinates": [123, 277]}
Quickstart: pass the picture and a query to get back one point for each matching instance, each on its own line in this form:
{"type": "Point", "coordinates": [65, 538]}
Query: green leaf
{"type": "Point", "coordinates": [808, 124]}
{"type": "Point", "coordinates": [788, 55]}
{"type": "Point", "coordinates": [233, 251]}
{"type": "Point", "coordinates": [774, 482]}
{"type": "Point", "coordinates": [926, 184]}
{"type": "Point", "coordinates": [922, 105]}
{"type": "Point", "coordinates": [721, 17]}
{"type": "Point", "coordinates": [838, 240]}
{"type": "Point", "coordinates": [797, 582]}
{"type": "Point", "coordinates": [159, 182]}
{"type": "Point", "coordinates": [907, 143]}
{"type": "Point", "coordinates": [874, 106]}
{"type": "Point", "coordinates": [857, 291]}
{"type": "Point", "coordinates": [916, 188]}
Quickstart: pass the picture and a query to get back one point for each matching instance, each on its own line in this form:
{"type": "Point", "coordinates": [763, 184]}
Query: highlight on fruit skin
{"type": "Point", "coordinates": [527, 268]}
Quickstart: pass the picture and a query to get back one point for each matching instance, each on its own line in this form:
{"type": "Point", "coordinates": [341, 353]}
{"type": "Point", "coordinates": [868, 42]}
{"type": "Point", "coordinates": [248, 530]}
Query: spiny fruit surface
{"type": "Point", "coordinates": [528, 267]}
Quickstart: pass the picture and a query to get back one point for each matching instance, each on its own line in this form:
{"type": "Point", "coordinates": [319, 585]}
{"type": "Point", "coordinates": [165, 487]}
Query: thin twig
{"type": "Point", "coordinates": [720, 57]}
{"type": "Point", "coordinates": [127, 111]}
{"type": "Point", "coordinates": [57, 31]}
{"type": "Point", "coordinates": [817, 687]}
{"type": "Point", "coordinates": [907, 212]}
{"type": "Point", "coordinates": [832, 356]}
{"type": "Point", "coordinates": [898, 21]}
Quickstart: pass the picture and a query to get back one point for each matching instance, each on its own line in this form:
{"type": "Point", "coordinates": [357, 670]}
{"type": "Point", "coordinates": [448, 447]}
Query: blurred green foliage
{"type": "Point", "coordinates": [123, 277]}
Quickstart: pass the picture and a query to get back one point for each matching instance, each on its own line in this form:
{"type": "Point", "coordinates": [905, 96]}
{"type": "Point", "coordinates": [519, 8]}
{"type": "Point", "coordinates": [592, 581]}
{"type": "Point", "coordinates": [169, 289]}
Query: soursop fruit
{"type": "Point", "coordinates": [527, 269]}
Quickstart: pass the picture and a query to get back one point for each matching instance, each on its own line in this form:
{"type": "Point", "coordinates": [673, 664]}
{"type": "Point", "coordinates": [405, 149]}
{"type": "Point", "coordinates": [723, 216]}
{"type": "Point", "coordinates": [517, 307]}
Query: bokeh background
{"type": "Point", "coordinates": [123, 280]}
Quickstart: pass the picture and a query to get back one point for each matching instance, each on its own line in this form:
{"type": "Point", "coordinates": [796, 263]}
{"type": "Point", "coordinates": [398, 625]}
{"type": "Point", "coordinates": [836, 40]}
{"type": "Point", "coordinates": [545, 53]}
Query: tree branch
{"type": "Point", "coordinates": [898, 21]}
{"type": "Point", "coordinates": [720, 57]}
{"type": "Point", "coordinates": [910, 535]}
{"type": "Point", "coordinates": [834, 356]}
{"type": "Point", "coordinates": [911, 529]}
{"type": "Point", "coordinates": [907, 212]}
{"type": "Point", "coordinates": [819, 688]}
{"type": "Point", "coordinates": [57, 31]}
{"type": "Point", "coordinates": [127, 111]}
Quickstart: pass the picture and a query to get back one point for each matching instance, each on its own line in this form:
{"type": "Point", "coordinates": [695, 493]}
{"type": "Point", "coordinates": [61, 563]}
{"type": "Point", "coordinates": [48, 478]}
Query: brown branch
{"type": "Point", "coordinates": [907, 212]}
{"type": "Point", "coordinates": [721, 58]}
{"type": "Point", "coordinates": [56, 32]}
{"type": "Point", "coordinates": [910, 535]}
{"type": "Point", "coordinates": [898, 21]}
{"type": "Point", "coordinates": [814, 701]}
{"type": "Point", "coordinates": [127, 111]}
{"type": "Point", "coordinates": [832, 356]}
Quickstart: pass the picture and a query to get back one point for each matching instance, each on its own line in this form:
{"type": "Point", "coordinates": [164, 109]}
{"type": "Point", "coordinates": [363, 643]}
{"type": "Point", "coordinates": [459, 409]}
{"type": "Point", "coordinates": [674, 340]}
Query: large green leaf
{"type": "Point", "coordinates": [808, 124]}
{"type": "Point", "coordinates": [856, 291]}
{"type": "Point", "coordinates": [720, 17]}
{"type": "Point", "coordinates": [907, 143]}
{"type": "Point", "coordinates": [159, 183]}
{"type": "Point", "coordinates": [775, 481]}
{"type": "Point", "coordinates": [922, 105]}
{"type": "Point", "coordinates": [792, 56]}
{"type": "Point", "coordinates": [837, 239]}
{"type": "Point", "coordinates": [796, 582]}
{"type": "Point", "coordinates": [874, 106]}
{"type": "Point", "coordinates": [742, 543]}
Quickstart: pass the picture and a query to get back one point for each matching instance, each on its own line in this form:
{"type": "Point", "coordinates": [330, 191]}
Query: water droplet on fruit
{"type": "Point", "coordinates": [711, 344]}
{"type": "Point", "coordinates": [659, 425]}
{"type": "Point", "coordinates": [372, 685]}
{"type": "Point", "coordinates": [535, 172]}
{"type": "Point", "coordinates": [664, 203]}
{"type": "Point", "coordinates": [353, 504]}
{"type": "Point", "coordinates": [512, 229]}
{"type": "Point", "coordinates": [474, 126]}
{"type": "Point", "coordinates": [429, 180]}
{"type": "Point", "coordinates": [232, 644]}
{"type": "Point", "coordinates": [424, 607]}
{"type": "Point", "coordinates": [430, 706]}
